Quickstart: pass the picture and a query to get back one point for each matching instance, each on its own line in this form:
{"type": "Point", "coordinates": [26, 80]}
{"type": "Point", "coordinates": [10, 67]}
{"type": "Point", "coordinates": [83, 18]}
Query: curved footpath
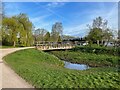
{"type": "Point", "coordinates": [8, 78]}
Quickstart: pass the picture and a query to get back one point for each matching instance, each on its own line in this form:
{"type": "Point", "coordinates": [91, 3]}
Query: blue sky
{"type": "Point", "coordinates": [74, 15]}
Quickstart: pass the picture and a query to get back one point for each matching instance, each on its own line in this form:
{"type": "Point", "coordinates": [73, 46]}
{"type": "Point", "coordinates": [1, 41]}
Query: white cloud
{"type": "Point", "coordinates": [109, 14]}
{"type": "Point", "coordinates": [77, 30]}
{"type": "Point", "coordinates": [55, 4]}
{"type": "Point", "coordinates": [40, 22]}
{"type": "Point", "coordinates": [38, 19]}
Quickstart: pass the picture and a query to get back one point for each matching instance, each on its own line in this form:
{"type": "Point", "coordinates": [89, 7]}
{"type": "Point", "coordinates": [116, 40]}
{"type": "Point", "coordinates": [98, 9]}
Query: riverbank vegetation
{"type": "Point", "coordinates": [44, 70]}
{"type": "Point", "coordinates": [99, 56]}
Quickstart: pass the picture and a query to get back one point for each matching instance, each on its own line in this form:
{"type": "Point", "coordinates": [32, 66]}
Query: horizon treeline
{"type": "Point", "coordinates": [18, 31]}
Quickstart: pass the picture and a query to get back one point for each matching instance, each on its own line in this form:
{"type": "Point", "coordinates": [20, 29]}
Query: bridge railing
{"type": "Point", "coordinates": [47, 46]}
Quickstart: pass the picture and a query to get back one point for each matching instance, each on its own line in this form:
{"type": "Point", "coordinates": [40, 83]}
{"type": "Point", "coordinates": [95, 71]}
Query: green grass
{"type": "Point", "coordinates": [43, 70]}
{"type": "Point", "coordinates": [8, 47]}
{"type": "Point", "coordinates": [88, 58]}
{"type": "Point", "coordinates": [3, 46]}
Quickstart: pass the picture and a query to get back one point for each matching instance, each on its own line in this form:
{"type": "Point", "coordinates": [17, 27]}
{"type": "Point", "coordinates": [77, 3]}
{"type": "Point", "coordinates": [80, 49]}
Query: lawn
{"type": "Point", "coordinates": [44, 70]}
{"type": "Point", "coordinates": [8, 47]}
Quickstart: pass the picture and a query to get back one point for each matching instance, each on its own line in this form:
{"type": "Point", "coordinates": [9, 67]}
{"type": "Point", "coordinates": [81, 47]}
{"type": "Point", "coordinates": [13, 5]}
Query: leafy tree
{"type": "Point", "coordinates": [95, 34]}
{"type": "Point", "coordinates": [59, 39]}
{"type": "Point", "coordinates": [26, 27]}
{"type": "Point", "coordinates": [107, 36]}
{"type": "Point", "coordinates": [17, 29]}
{"type": "Point", "coordinates": [9, 30]}
{"type": "Point", "coordinates": [47, 37]}
{"type": "Point", "coordinates": [99, 31]}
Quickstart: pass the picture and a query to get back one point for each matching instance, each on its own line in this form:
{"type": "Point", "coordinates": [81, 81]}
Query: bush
{"type": "Point", "coordinates": [98, 50]}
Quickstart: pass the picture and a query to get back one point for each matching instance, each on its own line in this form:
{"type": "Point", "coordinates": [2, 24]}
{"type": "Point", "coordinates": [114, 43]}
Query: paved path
{"type": "Point", "coordinates": [8, 78]}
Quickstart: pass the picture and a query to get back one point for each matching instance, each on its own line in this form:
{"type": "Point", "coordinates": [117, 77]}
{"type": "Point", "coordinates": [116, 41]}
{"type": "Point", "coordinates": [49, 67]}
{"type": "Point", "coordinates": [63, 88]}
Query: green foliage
{"type": "Point", "coordinates": [99, 32]}
{"type": "Point", "coordinates": [46, 71]}
{"type": "Point", "coordinates": [17, 29]}
{"type": "Point", "coordinates": [98, 50]}
{"type": "Point", "coordinates": [95, 34]}
{"type": "Point", "coordinates": [59, 39]}
{"type": "Point", "coordinates": [88, 58]}
{"type": "Point", "coordinates": [9, 30]}
{"type": "Point", "coordinates": [8, 46]}
{"type": "Point", "coordinates": [47, 37]}
{"type": "Point", "coordinates": [26, 38]}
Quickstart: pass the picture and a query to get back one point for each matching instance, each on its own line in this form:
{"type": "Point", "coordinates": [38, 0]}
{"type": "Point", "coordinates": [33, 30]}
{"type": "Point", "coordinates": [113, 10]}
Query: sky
{"type": "Point", "coordinates": [74, 16]}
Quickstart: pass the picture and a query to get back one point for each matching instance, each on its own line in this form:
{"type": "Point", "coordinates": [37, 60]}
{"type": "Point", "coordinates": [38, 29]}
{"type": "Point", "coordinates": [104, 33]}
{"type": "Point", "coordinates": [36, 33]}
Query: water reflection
{"type": "Point", "coordinates": [76, 66]}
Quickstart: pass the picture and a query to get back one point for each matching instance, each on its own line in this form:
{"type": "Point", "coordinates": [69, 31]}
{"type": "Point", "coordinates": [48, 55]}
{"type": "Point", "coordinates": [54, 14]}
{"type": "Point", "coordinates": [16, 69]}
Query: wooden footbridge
{"type": "Point", "coordinates": [53, 46]}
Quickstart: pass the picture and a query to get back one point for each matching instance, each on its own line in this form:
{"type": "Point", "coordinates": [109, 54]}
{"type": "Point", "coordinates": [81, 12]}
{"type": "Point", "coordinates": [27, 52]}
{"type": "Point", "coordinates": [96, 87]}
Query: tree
{"type": "Point", "coordinates": [99, 31]}
{"type": "Point", "coordinates": [17, 29]}
{"type": "Point", "coordinates": [107, 36]}
{"type": "Point", "coordinates": [47, 37]}
{"type": "Point", "coordinates": [57, 30]}
{"type": "Point", "coordinates": [95, 35]}
{"type": "Point", "coordinates": [9, 29]}
{"type": "Point", "coordinates": [39, 34]}
{"type": "Point", "coordinates": [26, 27]}
{"type": "Point", "coordinates": [59, 39]}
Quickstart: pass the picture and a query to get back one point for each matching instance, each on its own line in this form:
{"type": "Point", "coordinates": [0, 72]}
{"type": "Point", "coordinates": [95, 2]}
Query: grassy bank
{"type": "Point", "coordinates": [114, 51]}
{"type": "Point", "coordinates": [91, 59]}
{"type": "Point", "coordinates": [43, 70]}
{"type": "Point", "coordinates": [6, 47]}
{"type": "Point", "coordinates": [2, 47]}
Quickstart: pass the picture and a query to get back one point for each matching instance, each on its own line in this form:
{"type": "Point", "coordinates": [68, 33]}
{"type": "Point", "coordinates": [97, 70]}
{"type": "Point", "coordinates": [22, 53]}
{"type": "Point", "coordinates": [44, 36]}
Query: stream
{"type": "Point", "coordinates": [75, 66]}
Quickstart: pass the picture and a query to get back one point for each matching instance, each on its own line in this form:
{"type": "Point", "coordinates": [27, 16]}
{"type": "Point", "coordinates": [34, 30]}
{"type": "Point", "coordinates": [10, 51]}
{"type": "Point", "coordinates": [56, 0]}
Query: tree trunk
{"type": "Point", "coordinates": [107, 43]}
{"type": "Point", "coordinates": [98, 42]}
{"type": "Point", "coordinates": [14, 43]}
{"type": "Point", "coordinates": [102, 43]}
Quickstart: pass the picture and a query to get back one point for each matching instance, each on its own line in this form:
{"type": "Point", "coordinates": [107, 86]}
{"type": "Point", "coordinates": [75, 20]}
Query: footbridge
{"type": "Point", "coordinates": [53, 46]}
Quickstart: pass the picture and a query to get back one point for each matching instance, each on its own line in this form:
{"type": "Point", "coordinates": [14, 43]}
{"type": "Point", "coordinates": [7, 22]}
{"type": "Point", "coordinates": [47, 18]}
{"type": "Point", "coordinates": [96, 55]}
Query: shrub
{"type": "Point", "coordinates": [98, 50]}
